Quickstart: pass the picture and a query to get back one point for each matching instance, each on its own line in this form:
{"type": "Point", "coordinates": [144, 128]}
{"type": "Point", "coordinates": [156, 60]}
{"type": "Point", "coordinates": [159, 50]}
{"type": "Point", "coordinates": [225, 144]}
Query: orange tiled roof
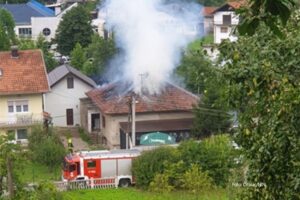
{"type": "Point", "coordinates": [208, 11]}
{"type": "Point", "coordinates": [23, 75]}
{"type": "Point", "coordinates": [237, 4]}
{"type": "Point", "coordinates": [109, 100]}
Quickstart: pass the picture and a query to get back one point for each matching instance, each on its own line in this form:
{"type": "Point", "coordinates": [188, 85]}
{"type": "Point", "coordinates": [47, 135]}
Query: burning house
{"type": "Point", "coordinates": [107, 113]}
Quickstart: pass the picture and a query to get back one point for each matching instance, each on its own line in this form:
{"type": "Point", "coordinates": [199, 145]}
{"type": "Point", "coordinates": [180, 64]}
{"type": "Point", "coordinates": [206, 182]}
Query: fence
{"type": "Point", "coordinates": [100, 183]}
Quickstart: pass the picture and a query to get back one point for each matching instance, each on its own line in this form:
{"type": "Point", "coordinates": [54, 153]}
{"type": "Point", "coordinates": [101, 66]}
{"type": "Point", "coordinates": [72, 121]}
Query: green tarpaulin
{"type": "Point", "coordinates": [157, 138]}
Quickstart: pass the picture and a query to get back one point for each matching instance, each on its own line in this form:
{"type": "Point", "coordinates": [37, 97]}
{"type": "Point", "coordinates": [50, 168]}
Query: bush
{"type": "Point", "coordinates": [150, 163]}
{"type": "Point", "coordinates": [195, 180]}
{"type": "Point", "coordinates": [161, 184]}
{"type": "Point", "coordinates": [46, 148]}
{"type": "Point", "coordinates": [84, 136]}
{"type": "Point", "coordinates": [214, 154]}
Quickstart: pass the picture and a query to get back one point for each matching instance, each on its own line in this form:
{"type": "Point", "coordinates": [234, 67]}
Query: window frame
{"type": "Point", "coordinates": [17, 106]}
{"type": "Point", "coordinates": [227, 19]}
{"type": "Point", "coordinates": [70, 82]}
{"type": "Point", "coordinates": [222, 29]}
{"type": "Point", "coordinates": [89, 162]}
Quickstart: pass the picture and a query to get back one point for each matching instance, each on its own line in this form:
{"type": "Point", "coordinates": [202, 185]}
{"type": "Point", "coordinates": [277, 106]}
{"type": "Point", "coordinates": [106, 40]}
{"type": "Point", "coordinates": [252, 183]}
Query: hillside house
{"type": "Point", "coordinates": [33, 18]}
{"type": "Point", "coordinates": [225, 20]}
{"type": "Point", "coordinates": [23, 82]}
{"type": "Point", "coordinates": [106, 110]}
{"type": "Point", "coordinates": [67, 85]}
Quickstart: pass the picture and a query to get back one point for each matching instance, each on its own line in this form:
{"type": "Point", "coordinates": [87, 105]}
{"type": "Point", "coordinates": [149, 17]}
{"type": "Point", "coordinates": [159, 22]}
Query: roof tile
{"type": "Point", "coordinates": [110, 101]}
{"type": "Point", "coordinates": [25, 74]}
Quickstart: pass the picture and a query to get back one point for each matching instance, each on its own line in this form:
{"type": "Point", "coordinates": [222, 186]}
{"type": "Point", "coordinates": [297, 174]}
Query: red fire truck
{"type": "Point", "coordinates": [91, 165]}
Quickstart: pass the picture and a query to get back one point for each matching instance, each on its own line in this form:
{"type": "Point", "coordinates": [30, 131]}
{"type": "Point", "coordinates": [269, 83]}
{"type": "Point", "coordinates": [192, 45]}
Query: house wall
{"type": "Point", "coordinates": [218, 24]}
{"type": "Point", "coordinates": [35, 107]}
{"type": "Point", "coordinates": [8, 120]}
{"type": "Point", "coordinates": [111, 131]}
{"type": "Point", "coordinates": [39, 23]}
{"type": "Point", "coordinates": [61, 98]}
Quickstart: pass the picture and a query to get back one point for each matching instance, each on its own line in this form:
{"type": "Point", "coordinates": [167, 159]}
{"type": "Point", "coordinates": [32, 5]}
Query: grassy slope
{"type": "Point", "coordinates": [134, 194]}
{"type": "Point", "coordinates": [37, 172]}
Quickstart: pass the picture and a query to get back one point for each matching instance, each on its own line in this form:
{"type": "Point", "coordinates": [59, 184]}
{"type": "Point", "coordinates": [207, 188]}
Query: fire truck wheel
{"type": "Point", "coordinates": [124, 182]}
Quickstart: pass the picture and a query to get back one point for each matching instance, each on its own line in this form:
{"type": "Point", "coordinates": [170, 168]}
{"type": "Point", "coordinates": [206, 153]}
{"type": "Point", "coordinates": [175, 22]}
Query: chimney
{"type": "Point", "coordinates": [14, 51]}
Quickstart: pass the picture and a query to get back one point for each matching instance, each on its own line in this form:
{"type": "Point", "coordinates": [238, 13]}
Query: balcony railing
{"type": "Point", "coordinates": [21, 120]}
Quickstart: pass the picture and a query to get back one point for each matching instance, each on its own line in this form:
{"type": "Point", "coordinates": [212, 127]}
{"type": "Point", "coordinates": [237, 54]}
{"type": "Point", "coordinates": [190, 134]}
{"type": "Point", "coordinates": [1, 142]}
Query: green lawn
{"type": "Point", "coordinates": [134, 194]}
{"type": "Point", "coordinates": [34, 172]}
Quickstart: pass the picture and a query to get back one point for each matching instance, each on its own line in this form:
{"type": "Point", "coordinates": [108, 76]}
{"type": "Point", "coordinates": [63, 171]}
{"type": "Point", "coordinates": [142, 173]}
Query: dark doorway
{"type": "Point", "coordinates": [95, 122]}
{"type": "Point", "coordinates": [70, 118]}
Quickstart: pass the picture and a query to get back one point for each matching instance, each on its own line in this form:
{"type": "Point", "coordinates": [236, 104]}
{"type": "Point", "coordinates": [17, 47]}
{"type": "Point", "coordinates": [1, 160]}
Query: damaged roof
{"type": "Point", "coordinates": [111, 99]}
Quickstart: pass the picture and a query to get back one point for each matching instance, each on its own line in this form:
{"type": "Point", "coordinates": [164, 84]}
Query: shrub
{"type": "Point", "coordinates": [161, 183]}
{"type": "Point", "coordinates": [46, 148]}
{"type": "Point", "coordinates": [195, 180]}
{"type": "Point", "coordinates": [150, 163]}
{"type": "Point", "coordinates": [84, 136]}
{"type": "Point", "coordinates": [215, 155]}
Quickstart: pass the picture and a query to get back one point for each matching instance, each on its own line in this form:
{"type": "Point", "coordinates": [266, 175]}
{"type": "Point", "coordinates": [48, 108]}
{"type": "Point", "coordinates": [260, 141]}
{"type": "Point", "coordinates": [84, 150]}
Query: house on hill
{"type": "Point", "coordinates": [23, 83]}
{"type": "Point", "coordinates": [225, 20]}
{"type": "Point", "coordinates": [68, 85]}
{"type": "Point", "coordinates": [33, 18]}
{"type": "Point", "coordinates": [106, 110]}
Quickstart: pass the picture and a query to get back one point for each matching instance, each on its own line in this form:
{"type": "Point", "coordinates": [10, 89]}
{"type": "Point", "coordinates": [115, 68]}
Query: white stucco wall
{"type": "Point", "coordinates": [39, 23]}
{"type": "Point", "coordinates": [218, 23]}
{"type": "Point", "coordinates": [61, 98]}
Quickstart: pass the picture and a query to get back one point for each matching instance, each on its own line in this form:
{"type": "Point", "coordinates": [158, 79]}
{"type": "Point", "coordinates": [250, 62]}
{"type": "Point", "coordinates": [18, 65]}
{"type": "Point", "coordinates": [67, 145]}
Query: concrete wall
{"type": "Point", "coordinates": [112, 127]}
{"type": "Point", "coordinates": [218, 24]}
{"type": "Point", "coordinates": [61, 98]}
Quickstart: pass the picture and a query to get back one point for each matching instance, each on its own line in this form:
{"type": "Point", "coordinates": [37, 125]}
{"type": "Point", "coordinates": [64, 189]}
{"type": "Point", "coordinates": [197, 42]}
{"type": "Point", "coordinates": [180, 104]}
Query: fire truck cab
{"type": "Point", "coordinates": [87, 165]}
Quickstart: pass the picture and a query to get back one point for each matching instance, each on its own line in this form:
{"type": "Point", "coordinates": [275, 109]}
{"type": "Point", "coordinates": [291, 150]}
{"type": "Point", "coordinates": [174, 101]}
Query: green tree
{"type": "Point", "coordinates": [99, 52]}
{"type": "Point", "coordinates": [204, 79]}
{"type": "Point", "coordinates": [75, 27]}
{"type": "Point", "coordinates": [44, 45]}
{"type": "Point", "coordinates": [10, 156]}
{"type": "Point", "coordinates": [263, 86]}
{"type": "Point", "coordinates": [7, 33]}
{"type": "Point", "coordinates": [271, 13]}
{"type": "Point", "coordinates": [78, 57]}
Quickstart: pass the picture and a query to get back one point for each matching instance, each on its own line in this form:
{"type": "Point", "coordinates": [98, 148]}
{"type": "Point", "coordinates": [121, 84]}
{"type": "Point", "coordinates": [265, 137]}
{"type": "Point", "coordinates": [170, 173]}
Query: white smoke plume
{"type": "Point", "coordinates": [152, 34]}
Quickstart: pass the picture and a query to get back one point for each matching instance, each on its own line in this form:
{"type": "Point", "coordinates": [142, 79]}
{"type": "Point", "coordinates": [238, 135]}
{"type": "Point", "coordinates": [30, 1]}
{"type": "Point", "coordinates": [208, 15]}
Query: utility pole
{"type": "Point", "coordinates": [133, 119]}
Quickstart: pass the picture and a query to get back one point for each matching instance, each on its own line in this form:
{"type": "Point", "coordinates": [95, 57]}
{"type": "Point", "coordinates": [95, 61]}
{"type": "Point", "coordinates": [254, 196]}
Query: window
{"type": "Point", "coordinates": [224, 29]}
{"type": "Point", "coordinates": [46, 31]}
{"type": "Point", "coordinates": [10, 106]}
{"type": "Point", "coordinates": [226, 19]}
{"type": "Point", "coordinates": [25, 32]}
{"type": "Point", "coordinates": [21, 134]}
{"type": "Point", "coordinates": [18, 106]}
{"type": "Point", "coordinates": [91, 164]}
{"type": "Point", "coordinates": [70, 82]}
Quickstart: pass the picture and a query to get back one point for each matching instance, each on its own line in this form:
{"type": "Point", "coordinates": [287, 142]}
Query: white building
{"type": "Point", "coordinates": [67, 85]}
{"type": "Point", "coordinates": [225, 20]}
{"type": "Point", "coordinates": [33, 18]}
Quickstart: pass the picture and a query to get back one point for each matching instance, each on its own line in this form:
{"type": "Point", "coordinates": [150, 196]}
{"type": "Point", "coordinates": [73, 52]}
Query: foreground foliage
{"type": "Point", "coordinates": [193, 166]}
{"type": "Point", "coordinates": [46, 147]}
{"type": "Point", "coordinates": [263, 73]}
